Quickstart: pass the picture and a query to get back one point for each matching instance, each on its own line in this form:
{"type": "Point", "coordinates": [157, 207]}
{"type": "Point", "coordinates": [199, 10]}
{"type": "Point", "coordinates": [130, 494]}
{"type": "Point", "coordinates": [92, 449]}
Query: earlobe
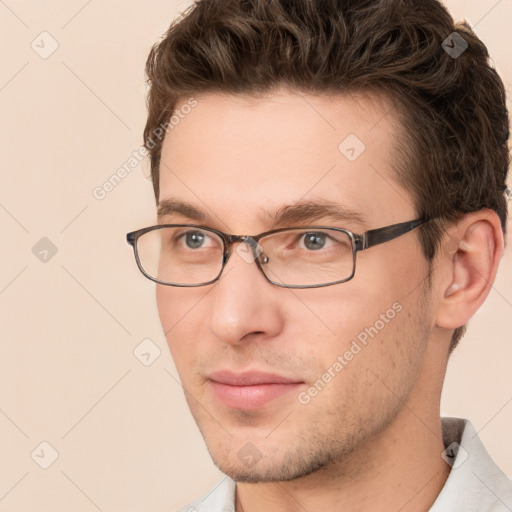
{"type": "Point", "coordinates": [468, 264]}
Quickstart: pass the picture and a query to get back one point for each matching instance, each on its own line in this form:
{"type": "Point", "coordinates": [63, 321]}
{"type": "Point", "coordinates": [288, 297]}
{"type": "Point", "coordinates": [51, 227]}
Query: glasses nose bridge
{"type": "Point", "coordinates": [251, 241]}
{"type": "Point", "coordinates": [233, 239]}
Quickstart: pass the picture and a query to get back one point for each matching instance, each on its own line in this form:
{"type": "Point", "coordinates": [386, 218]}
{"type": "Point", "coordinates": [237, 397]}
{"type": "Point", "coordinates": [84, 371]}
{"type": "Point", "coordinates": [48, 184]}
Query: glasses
{"type": "Point", "coordinates": [304, 257]}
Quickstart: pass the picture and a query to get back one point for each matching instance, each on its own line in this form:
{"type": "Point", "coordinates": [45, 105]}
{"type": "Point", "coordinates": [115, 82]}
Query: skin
{"type": "Point", "coordinates": [373, 434]}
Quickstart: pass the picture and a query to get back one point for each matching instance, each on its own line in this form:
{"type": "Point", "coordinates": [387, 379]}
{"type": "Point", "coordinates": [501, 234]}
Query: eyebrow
{"type": "Point", "coordinates": [287, 215]}
{"type": "Point", "coordinates": [169, 207]}
{"type": "Point", "coordinates": [308, 211]}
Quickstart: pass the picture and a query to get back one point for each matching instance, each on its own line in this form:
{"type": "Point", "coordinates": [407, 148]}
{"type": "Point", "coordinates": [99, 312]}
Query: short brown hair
{"type": "Point", "coordinates": [454, 154]}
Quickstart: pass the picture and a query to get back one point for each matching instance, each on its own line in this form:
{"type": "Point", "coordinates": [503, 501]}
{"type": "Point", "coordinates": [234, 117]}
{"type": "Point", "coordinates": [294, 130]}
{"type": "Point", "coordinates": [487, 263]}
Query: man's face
{"type": "Point", "coordinates": [235, 158]}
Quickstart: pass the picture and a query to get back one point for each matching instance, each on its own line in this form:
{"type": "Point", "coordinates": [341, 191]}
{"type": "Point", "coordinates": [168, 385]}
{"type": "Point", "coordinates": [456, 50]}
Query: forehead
{"type": "Point", "coordinates": [232, 155]}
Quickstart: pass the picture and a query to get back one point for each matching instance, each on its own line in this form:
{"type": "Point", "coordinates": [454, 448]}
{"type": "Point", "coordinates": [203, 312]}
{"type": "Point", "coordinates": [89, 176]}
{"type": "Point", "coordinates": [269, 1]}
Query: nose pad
{"type": "Point", "coordinates": [263, 258]}
{"type": "Point", "coordinates": [250, 250]}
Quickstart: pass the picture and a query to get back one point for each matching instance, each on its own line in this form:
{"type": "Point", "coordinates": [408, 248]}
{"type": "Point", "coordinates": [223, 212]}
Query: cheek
{"type": "Point", "coordinates": [371, 365]}
{"type": "Point", "coordinates": [339, 315]}
{"type": "Point", "coordinates": [167, 303]}
{"type": "Point", "coordinates": [180, 317]}
{"type": "Point", "coordinates": [355, 328]}
{"type": "Point", "coordinates": [175, 304]}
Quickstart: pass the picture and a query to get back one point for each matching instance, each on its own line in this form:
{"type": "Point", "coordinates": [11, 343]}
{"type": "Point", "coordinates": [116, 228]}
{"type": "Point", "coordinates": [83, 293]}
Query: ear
{"type": "Point", "coordinates": [468, 261]}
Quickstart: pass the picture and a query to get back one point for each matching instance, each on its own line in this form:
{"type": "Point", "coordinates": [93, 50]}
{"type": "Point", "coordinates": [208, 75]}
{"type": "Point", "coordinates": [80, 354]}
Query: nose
{"type": "Point", "coordinates": [244, 304]}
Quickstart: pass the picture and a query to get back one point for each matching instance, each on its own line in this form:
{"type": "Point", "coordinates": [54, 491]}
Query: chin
{"type": "Point", "coordinates": [289, 466]}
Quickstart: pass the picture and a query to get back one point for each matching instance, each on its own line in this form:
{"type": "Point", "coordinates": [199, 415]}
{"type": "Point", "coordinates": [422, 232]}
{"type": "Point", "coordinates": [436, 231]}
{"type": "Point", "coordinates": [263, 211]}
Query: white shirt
{"type": "Point", "coordinates": [475, 483]}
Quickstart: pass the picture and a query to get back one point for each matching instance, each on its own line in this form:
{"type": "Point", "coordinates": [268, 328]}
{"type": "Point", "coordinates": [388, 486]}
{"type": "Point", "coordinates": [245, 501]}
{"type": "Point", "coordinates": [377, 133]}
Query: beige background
{"type": "Point", "coordinates": [68, 374]}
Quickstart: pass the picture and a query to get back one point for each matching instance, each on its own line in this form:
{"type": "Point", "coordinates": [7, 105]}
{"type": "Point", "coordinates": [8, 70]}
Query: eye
{"type": "Point", "coordinates": [315, 241]}
{"type": "Point", "coordinates": [194, 239]}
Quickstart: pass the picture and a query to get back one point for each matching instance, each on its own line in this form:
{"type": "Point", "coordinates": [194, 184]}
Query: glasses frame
{"type": "Point", "coordinates": [360, 242]}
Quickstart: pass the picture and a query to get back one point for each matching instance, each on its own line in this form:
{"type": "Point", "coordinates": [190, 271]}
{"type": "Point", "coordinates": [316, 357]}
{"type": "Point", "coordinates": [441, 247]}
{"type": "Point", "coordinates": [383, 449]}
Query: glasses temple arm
{"type": "Point", "coordinates": [380, 235]}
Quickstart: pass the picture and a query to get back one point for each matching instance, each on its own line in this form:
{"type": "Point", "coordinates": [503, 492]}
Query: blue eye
{"type": "Point", "coordinates": [314, 241]}
{"type": "Point", "coordinates": [194, 239]}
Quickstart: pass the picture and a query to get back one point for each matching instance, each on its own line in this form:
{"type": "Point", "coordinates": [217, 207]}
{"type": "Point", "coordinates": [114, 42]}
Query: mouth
{"type": "Point", "coordinates": [250, 390]}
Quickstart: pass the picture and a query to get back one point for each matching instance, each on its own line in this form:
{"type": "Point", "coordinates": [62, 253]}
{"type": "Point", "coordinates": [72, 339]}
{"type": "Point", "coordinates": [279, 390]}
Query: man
{"type": "Point", "coordinates": [322, 134]}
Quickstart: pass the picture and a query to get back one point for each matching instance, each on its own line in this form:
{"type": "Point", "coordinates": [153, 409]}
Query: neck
{"type": "Point", "coordinates": [400, 468]}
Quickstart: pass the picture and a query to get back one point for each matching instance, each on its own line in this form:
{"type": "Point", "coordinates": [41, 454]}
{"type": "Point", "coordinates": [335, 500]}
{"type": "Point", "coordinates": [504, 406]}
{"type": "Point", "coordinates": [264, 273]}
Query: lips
{"type": "Point", "coordinates": [250, 390]}
{"type": "Point", "coordinates": [249, 378]}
